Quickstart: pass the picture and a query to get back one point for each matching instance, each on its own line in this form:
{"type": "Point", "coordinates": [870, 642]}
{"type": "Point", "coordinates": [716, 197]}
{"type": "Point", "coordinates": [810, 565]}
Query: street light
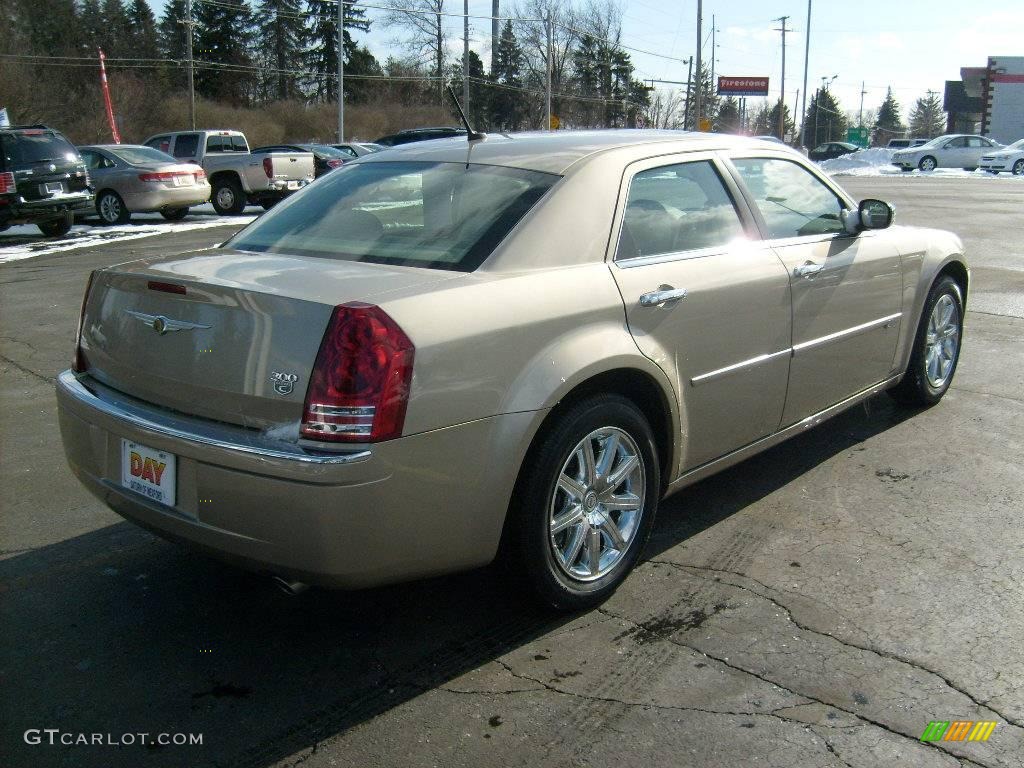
{"type": "Point", "coordinates": [826, 81]}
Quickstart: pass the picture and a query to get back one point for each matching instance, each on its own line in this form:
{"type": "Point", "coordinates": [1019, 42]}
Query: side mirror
{"type": "Point", "coordinates": [875, 214]}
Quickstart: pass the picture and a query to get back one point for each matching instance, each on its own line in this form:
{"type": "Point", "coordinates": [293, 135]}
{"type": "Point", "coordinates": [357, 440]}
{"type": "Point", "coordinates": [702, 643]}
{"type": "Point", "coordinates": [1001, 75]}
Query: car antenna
{"type": "Point", "coordinates": [470, 133]}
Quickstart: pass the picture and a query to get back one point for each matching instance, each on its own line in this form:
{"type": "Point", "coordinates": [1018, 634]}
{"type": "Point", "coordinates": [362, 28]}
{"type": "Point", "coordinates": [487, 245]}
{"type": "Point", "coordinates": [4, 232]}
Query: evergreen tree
{"type": "Point", "coordinates": [824, 121]}
{"type": "Point", "coordinates": [888, 124]}
{"type": "Point", "coordinates": [766, 122]}
{"type": "Point", "coordinates": [727, 117]}
{"type": "Point", "coordinates": [116, 35]}
{"type": "Point", "coordinates": [508, 106]}
{"type": "Point", "coordinates": [478, 108]}
{"type": "Point", "coordinates": [708, 99]}
{"type": "Point", "coordinates": [172, 38]}
{"type": "Point", "coordinates": [143, 30]}
{"type": "Point", "coordinates": [603, 78]}
{"type": "Point", "coordinates": [222, 41]}
{"type": "Point", "coordinates": [927, 120]}
{"type": "Point", "coordinates": [90, 24]}
{"type": "Point", "coordinates": [321, 55]}
{"type": "Point", "coordinates": [280, 34]}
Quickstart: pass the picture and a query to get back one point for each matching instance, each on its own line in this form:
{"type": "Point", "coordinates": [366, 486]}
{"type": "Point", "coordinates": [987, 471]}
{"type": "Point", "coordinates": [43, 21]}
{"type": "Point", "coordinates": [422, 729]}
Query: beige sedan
{"type": "Point", "coordinates": [515, 345]}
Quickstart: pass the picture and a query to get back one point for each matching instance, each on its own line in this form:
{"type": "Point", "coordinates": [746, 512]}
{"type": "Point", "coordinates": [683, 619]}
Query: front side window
{"type": "Point", "coordinates": [160, 143]}
{"type": "Point", "coordinates": [677, 208]}
{"type": "Point", "coordinates": [792, 201]}
{"type": "Point", "coordinates": [238, 144]}
{"type": "Point", "coordinates": [957, 143]}
{"type": "Point", "coordinates": [415, 214]}
{"type": "Point", "coordinates": [186, 145]}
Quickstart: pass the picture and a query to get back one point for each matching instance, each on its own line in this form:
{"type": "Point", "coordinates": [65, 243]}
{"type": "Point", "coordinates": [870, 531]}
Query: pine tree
{"type": "Point", "coordinates": [766, 122]}
{"type": "Point", "coordinates": [727, 117]}
{"type": "Point", "coordinates": [888, 124]}
{"type": "Point", "coordinates": [280, 34]}
{"type": "Point", "coordinates": [478, 109]}
{"type": "Point", "coordinates": [115, 38]}
{"type": "Point", "coordinates": [321, 55]}
{"type": "Point", "coordinates": [508, 106]}
{"type": "Point", "coordinates": [90, 24]}
{"type": "Point", "coordinates": [927, 118]}
{"type": "Point", "coordinates": [222, 42]}
{"type": "Point", "coordinates": [825, 120]}
{"type": "Point", "coordinates": [143, 30]}
{"type": "Point", "coordinates": [172, 37]}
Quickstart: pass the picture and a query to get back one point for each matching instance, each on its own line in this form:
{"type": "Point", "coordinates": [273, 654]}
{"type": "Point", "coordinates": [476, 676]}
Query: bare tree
{"type": "Point", "coordinates": [665, 110]}
{"type": "Point", "coordinates": [424, 22]}
{"type": "Point", "coordinates": [532, 36]}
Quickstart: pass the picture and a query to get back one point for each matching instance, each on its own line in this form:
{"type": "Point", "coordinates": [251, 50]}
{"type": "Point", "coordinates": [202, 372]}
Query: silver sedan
{"type": "Point", "coordinates": [132, 178]}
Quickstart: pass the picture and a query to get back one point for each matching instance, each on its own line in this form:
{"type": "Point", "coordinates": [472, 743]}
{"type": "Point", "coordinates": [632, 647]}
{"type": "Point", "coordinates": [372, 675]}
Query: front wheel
{"type": "Point", "coordinates": [936, 348]}
{"type": "Point", "coordinates": [927, 164]}
{"type": "Point", "coordinates": [585, 503]}
{"type": "Point", "coordinates": [175, 214]}
{"type": "Point", "coordinates": [1018, 167]}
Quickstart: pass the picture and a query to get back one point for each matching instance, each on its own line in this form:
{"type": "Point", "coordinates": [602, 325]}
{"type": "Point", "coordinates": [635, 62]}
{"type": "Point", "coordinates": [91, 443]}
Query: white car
{"type": "Point", "coordinates": [1009, 158]}
{"type": "Point", "coordinates": [954, 150]}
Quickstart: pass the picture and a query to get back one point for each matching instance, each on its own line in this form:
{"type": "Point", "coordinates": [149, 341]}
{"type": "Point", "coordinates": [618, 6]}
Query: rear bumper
{"type": "Point", "coordinates": [167, 198]}
{"type": "Point", "coordinates": [416, 506]}
{"type": "Point", "coordinates": [19, 210]}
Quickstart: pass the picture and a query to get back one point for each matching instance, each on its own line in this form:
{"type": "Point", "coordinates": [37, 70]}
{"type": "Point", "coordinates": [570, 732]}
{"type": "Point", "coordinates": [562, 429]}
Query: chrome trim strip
{"type": "Point", "coordinates": [712, 375]}
{"type": "Point", "coordinates": [68, 384]}
{"type": "Point", "coordinates": [804, 345]}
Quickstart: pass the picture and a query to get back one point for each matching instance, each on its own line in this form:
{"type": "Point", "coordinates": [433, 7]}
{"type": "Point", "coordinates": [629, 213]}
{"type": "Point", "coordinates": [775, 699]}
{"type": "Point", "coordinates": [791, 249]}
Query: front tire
{"type": "Point", "coordinates": [584, 504]}
{"type": "Point", "coordinates": [227, 197]}
{"type": "Point", "coordinates": [175, 214]}
{"type": "Point", "coordinates": [927, 164]}
{"type": "Point", "coordinates": [1018, 168]}
{"type": "Point", "coordinates": [936, 350]}
{"type": "Point", "coordinates": [111, 208]}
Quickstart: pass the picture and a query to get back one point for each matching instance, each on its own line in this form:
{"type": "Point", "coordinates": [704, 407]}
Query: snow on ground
{"type": "Point", "coordinates": [878, 162]}
{"type": "Point", "coordinates": [26, 241]}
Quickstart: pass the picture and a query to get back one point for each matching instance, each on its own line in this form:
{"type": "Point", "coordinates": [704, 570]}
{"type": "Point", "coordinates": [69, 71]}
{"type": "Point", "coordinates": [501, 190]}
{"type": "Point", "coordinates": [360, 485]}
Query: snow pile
{"type": "Point", "coordinates": [863, 162]}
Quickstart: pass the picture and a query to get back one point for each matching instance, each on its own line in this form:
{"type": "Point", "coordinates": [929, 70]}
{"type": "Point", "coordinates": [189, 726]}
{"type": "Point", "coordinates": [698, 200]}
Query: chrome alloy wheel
{"type": "Point", "coordinates": [596, 507]}
{"type": "Point", "coordinates": [110, 208]}
{"type": "Point", "coordinates": [226, 197]}
{"type": "Point", "coordinates": [942, 341]}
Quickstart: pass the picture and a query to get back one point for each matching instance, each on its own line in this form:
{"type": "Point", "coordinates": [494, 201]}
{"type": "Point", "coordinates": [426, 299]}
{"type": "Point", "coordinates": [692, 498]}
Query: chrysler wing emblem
{"type": "Point", "coordinates": [163, 325]}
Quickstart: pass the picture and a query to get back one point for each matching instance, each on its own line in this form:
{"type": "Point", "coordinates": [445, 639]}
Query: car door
{"type": "Point", "coordinates": [705, 300]}
{"type": "Point", "coordinates": [954, 153]}
{"type": "Point", "coordinates": [976, 147]}
{"type": "Point", "coordinates": [846, 289]}
{"type": "Point", "coordinates": [100, 167]}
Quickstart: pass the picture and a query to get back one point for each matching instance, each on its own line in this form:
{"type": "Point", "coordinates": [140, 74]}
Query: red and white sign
{"type": "Point", "coordinates": [743, 86]}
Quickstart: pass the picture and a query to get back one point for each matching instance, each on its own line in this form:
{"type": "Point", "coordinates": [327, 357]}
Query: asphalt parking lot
{"type": "Point", "coordinates": [817, 605]}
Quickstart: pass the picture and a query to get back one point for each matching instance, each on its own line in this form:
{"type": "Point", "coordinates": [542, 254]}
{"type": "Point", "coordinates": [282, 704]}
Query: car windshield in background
{"type": "Point", "coordinates": [322, 150]}
{"type": "Point", "coordinates": [933, 143]}
{"type": "Point", "coordinates": [1018, 144]}
{"type": "Point", "coordinates": [434, 215]}
{"type": "Point", "coordinates": [37, 147]}
{"type": "Point", "coordinates": [142, 155]}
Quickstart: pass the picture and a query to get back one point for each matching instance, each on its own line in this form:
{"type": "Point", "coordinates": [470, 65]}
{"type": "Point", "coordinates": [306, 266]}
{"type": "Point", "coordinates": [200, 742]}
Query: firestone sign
{"type": "Point", "coordinates": [743, 86]}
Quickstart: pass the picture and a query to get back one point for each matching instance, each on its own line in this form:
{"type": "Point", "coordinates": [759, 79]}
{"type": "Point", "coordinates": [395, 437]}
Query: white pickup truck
{"type": "Point", "coordinates": [236, 176]}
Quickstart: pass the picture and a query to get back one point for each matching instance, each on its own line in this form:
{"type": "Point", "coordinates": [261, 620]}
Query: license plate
{"type": "Point", "coordinates": [293, 185]}
{"type": "Point", "coordinates": [148, 471]}
{"type": "Point", "coordinates": [53, 187]}
{"type": "Point", "coordinates": [182, 181]}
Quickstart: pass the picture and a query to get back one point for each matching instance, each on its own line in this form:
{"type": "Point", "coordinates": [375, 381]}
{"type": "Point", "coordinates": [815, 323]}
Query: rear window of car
{"type": "Point", "coordinates": [186, 145]}
{"type": "Point", "coordinates": [142, 155]}
{"type": "Point", "coordinates": [433, 215]}
{"type": "Point", "coordinates": [36, 147]}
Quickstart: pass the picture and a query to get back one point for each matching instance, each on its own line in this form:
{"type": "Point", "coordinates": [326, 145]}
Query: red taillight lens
{"type": "Point", "coordinates": [359, 388]}
{"type": "Point", "coordinates": [163, 175]}
{"type": "Point", "coordinates": [79, 363]}
{"type": "Point", "coordinates": [7, 184]}
{"type": "Point", "coordinates": [336, 163]}
{"type": "Point", "coordinates": [200, 175]}
{"type": "Point", "coordinates": [268, 167]}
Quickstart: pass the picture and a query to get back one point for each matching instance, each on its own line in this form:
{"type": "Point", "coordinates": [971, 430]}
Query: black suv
{"type": "Point", "coordinates": [43, 180]}
{"type": "Point", "coordinates": [419, 134]}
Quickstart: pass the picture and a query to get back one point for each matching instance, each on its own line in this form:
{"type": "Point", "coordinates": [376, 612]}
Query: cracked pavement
{"type": "Point", "coordinates": [816, 605]}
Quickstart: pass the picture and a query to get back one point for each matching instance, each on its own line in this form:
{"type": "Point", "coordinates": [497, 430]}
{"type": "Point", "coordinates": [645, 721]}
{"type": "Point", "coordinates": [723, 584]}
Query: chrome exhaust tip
{"type": "Point", "coordinates": [290, 588]}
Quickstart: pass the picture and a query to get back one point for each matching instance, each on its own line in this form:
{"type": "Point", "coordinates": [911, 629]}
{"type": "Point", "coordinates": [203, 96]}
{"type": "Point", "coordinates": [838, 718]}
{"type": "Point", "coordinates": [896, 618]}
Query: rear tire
{"type": "Point", "coordinates": [57, 227]}
{"type": "Point", "coordinates": [936, 350]}
{"type": "Point", "coordinates": [175, 214]}
{"type": "Point", "coordinates": [228, 198]}
{"type": "Point", "coordinates": [111, 208]}
{"type": "Point", "coordinates": [605, 524]}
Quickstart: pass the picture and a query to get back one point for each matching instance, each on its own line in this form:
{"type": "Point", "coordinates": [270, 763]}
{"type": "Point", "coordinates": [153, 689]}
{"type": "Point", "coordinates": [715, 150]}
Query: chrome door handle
{"type": "Point", "coordinates": [808, 269]}
{"type": "Point", "coordinates": [661, 296]}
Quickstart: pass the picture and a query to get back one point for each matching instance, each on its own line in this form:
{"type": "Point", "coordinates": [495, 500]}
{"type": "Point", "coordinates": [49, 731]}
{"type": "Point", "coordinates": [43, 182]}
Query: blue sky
{"type": "Point", "coordinates": [912, 45]}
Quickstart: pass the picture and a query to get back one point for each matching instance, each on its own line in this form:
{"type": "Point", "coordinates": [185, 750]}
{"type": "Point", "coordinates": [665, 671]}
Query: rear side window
{"type": "Point", "coordinates": [677, 208]}
{"type": "Point", "coordinates": [433, 215]}
{"type": "Point", "coordinates": [37, 147]}
{"type": "Point", "coordinates": [238, 144]}
{"type": "Point", "coordinates": [186, 145]}
{"type": "Point", "coordinates": [792, 201]}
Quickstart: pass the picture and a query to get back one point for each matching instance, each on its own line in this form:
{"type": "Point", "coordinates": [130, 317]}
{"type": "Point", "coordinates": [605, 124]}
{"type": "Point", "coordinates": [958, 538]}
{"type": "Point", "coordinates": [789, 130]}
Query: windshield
{"type": "Point", "coordinates": [37, 147]}
{"type": "Point", "coordinates": [1018, 144]}
{"type": "Point", "coordinates": [142, 155]}
{"type": "Point", "coordinates": [417, 214]}
{"type": "Point", "coordinates": [322, 150]}
{"type": "Point", "coordinates": [933, 143]}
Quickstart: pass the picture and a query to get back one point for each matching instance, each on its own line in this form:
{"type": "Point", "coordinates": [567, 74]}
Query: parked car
{"type": "Point", "coordinates": [359, 148]}
{"type": "Point", "coordinates": [237, 177]}
{"type": "Point", "coordinates": [419, 134]}
{"type": "Point", "coordinates": [905, 143]}
{"type": "Point", "coordinates": [131, 178]}
{"type": "Point", "coordinates": [43, 181]}
{"type": "Point", "coordinates": [773, 139]}
{"type": "Point", "coordinates": [524, 353]}
{"type": "Point", "coordinates": [832, 149]}
{"type": "Point", "coordinates": [325, 157]}
{"type": "Point", "coordinates": [1009, 158]}
{"type": "Point", "coordinates": [950, 151]}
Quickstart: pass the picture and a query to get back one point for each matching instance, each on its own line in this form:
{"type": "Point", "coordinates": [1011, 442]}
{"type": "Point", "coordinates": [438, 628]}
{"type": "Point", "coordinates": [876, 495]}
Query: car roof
{"type": "Point", "coordinates": [555, 152]}
{"type": "Point", "coordinates": [112, 146]}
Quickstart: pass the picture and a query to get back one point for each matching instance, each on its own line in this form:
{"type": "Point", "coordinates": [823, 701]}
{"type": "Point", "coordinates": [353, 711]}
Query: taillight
{"type": "Point", "coordinates": [79, 364]}
{"type": "Point", "coordinates": [163, 175]}
{"type": "Point", "coordinates": [359, 388]}
{"type": "Point", "coordinates": [268, 167]}
{"type": "Point", "coordinates": [335, 163]}
{"type": "Point", "coordinates": [7, 184]}
{"type": "Point", "coordinates": [200, 175]}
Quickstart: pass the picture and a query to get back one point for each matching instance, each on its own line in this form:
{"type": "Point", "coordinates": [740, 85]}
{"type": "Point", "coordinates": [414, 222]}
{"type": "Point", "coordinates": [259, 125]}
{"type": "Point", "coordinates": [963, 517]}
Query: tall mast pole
{"type": "Point", "coordinates": [807, 59]}
{"type": "Point", "coordinates": [341, 71]}
{"type": "Point", "coordinates": [782, 92]}
{"type": "Point", "coordinates": [191, 65]}
{"type": "Point", "coordinates": [465, 56]}
{"type": "Point", "coordinates": [700, 42]}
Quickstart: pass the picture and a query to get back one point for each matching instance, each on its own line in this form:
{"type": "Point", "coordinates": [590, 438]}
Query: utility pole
{"type": "Point", "coordinates": [189, 24]}
{"type": "Point", "coordinates": [689, 89]}
{"type": "Point", "coordinates": [807, 59]}
{"type": "Point", "coordinates": [495, 31]}
{"type": "Point", "coordinates": [782, 94]}
{"type": "Point", "coordinates": [341, 71]}
{"type": "Point", "coordinates": [700, 42]}
{"type": "Point", "coordinates": [547, 67]}
{"type": "Point", "coordinates": [714, 54]}
{"type": "Point", "coordinates": [465, 56]}
{"type": "Point", "coordinates": [860, 117]}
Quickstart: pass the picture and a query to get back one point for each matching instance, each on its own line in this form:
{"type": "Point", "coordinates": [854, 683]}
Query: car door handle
{"type": "Point", "coordinates": [808, 269]}
{"type": "Point", "coordinates": [661, 296]}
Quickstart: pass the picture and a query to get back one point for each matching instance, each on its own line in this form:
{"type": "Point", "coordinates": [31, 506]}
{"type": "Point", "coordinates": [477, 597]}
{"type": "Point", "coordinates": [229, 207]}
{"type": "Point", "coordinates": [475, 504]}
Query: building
{"type": "Point", "coordinates": [988, 100]}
